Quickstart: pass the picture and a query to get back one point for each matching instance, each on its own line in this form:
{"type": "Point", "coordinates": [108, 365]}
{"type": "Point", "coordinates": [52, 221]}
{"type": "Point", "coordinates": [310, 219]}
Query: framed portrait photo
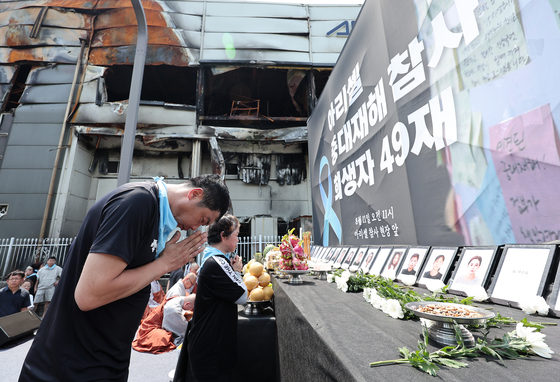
{"type": "Point", "coordinates": [369, 259]}
{"type": "Point", "coordinates": [340, 258]}
{"type": "Point", "coordinates": [437, 264]}
{"type": "Point", "coordinates": [380, 260]}
{"type": "Point", "coordinates": [352, 252]}
{"type": "Point", "coordinates": [473, 268]}
{"type": "Point", "coordinates": [315, 252]}
{"type": "Point", "coordinates": [393, 263]}
{"type": "Point", "coordinates": [521, 273]}
{"type": "Point", "coordinates": [554, 298]}
{"type": "Point", "coordinates": [358, 259]}
{"type": "Point", "coordinates": [412, 264]}
{"type": "Point", "coordinates": [331, 254]}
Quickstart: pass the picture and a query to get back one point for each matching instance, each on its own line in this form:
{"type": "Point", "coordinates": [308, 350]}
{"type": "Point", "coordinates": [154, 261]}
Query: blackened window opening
{"type": "Point", "coordinates": [163, 83]}
{"type": "Point", "coordinates": [18, 86]}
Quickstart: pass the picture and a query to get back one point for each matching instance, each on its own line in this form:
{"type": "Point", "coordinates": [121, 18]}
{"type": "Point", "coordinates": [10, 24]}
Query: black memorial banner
{"type": "Point", "coordinates": [437, 126]}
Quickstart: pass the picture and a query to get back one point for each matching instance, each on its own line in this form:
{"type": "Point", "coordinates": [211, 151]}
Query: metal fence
{"type": "Point", "coordinates": [20, 253]}
{"type": "Point", "coordinates": [248, 245]}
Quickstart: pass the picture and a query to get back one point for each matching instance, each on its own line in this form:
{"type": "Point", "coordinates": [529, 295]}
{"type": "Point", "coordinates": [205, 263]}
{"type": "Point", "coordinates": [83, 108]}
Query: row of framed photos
{"type": "Point", "coordinates": [509, 273]}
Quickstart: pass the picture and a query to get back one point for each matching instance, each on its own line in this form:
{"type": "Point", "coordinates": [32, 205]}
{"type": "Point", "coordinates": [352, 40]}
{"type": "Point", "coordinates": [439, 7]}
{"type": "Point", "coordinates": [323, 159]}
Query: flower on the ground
{"type": "Point", "coordinates": [535, 304]}
{"type": "Point", "coordinates": [536, 339]}
{"type": "Point", "coordinates": [377, 301]}
{"type": "Point", "coordinates": [367, 294]}
{"type": "Point", "coordinates": [341, 283]}
{"type": "Point", "coordinates": [345, 276]}
{"type": "Point", "coordinates": [393, 308]}
{"type": "Point", "coordinates": [478, 293]}
{"type": "Point", "coordinates": [330, 278]}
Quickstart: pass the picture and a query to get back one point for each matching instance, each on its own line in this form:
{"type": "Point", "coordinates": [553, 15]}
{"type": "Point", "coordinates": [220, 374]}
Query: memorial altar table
{"type": "Point", "coordinates": [325, 334]}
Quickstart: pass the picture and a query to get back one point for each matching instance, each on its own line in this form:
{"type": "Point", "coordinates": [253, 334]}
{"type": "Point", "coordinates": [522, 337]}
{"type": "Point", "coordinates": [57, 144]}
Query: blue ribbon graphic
{"type": "Point", "coordinates": [331, 220]}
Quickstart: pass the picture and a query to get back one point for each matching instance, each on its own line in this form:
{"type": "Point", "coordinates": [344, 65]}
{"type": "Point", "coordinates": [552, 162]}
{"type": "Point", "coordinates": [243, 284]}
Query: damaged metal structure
{"type": "Point", "coordinates": [227, 88]}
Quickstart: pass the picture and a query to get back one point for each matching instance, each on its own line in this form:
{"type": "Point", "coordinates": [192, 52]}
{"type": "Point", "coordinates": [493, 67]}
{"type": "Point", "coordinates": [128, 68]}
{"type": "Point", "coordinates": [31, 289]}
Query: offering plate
{"type": "Point", "coordinates": [295, 277]}
{"type": "Point", "coordinates": [254, 308]}
{"type": "Point", "coordinates": [442, 329]}
{"type": "Point", "coordinates": [322, 273]}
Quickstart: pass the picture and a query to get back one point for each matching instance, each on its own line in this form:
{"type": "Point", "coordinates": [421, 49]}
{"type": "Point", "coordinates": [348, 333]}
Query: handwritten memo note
{"type": "Point", "coordinates": [527, 164]}
{"type": "Point", "coordinates": [499, 48]}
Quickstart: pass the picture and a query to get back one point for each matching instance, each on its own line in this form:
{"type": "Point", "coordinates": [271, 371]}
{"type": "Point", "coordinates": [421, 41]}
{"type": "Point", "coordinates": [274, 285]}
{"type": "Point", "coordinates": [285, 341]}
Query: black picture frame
{"type": "Point", "coordinates": [352, 252]}
{"type": "Point", "coordinates": [369, 259]}
{"type": "Point", "coordinates": [380, 259]}
{"type": "Point", "coordinates": [315, 252]}
{"type": "Point", "coordinates": [358, 259]}
{"type": "Point", "coordinates": [390, 268]}
{"type": "Point", "coordinates": [449, 254]}
{"type": "Point", "coordinates": [340, 258]}
{"type": "Point", "coordinates": [485, 257]}
{"type": "Point", "coordinates": [333, 253]}
{"type": "Point", "coordinates": [421, 252]}
{"type": "Point", "coordinates": [521, 273]}
{"type": "Point", "coordinates": [553, 299]}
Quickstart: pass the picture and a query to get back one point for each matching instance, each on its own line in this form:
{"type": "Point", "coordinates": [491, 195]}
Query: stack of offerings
{"type": "Point", "coordinates": [257, 282]}
{"type": "Point", "coordinates": [293, 256]}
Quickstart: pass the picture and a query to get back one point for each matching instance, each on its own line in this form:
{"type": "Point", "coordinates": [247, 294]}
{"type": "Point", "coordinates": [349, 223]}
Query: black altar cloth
{"type": "Point", "coordinates": [325, 334]}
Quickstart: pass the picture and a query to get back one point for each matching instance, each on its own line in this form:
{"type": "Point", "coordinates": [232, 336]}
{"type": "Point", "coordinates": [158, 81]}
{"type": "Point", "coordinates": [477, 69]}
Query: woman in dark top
{"type": "Point", "coordinates": [434, 273]}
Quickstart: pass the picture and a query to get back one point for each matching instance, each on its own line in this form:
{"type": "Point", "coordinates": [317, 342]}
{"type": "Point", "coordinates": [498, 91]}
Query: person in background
{"type": "Point", "coordinates": [31, 275]}
{"type": "Point", "coordinates": [211, 351]}
{"type": "Point", "coordinates": [13, 299]}
{"type": "Point", "coordinates": [164, 329]}
{"type": "Point", "coordinates": [47, 280]}
{"type": "Point", "coordinates": [156, 297]}
{"type": "Point", "coordinates": [182, 287]}
{"type": "Point", "coordinates": [176, 315]}
{"type": "Point", "coordinates": [122, 245]}
{"type": "Point", "coordinates": [26, 284]}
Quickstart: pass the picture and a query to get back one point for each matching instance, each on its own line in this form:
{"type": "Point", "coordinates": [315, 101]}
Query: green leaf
{"type": "Point", "coordinates": [451, 363]}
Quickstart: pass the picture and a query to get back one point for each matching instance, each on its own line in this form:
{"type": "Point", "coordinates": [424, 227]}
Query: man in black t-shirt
{"type": "Point", "coordinates": [87, 332]}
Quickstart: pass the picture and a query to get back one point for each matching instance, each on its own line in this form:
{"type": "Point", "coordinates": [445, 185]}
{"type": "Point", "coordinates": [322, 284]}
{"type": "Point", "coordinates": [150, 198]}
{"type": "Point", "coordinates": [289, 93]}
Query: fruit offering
{"type": "Point", "coordinates": [293, 256]}
{"type": "Point", "coordinates": [257, 281]}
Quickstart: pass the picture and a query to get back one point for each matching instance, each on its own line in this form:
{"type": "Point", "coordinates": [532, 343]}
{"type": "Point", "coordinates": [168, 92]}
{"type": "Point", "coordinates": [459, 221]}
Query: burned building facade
{"type": "Point", "coordinates": [227, 88]}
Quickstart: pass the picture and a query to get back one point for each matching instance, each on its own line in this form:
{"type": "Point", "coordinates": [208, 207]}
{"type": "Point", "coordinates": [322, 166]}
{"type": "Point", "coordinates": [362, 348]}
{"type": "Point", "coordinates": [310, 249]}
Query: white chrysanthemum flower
{"type": "Point", "coordinates": [393, 308]}
{"type": "Point", "coordinates": [345, 276]}
{"type": "Point", "coordinates": [478, 293]}
{"type": "Point", "coordinates": [367, 294]}
{"type": "Point", "coordinates": [535, 304]}
{"type": "Point", "coordinates": [330, 278]}
{"type": "Point", "coordinates": [408, 279]}
{"type": "Point", "coordinates": [435, 285]}
{"type": "Point", "coordinates": [341, 283]}
{"type": "Point", "coordinates": [377, 301]}
{"type": "Point", "coordinates": [536, 339]}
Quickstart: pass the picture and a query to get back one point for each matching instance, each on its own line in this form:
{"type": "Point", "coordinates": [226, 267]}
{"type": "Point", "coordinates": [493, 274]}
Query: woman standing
{"type": "Point", "coordinates": [212, 333]}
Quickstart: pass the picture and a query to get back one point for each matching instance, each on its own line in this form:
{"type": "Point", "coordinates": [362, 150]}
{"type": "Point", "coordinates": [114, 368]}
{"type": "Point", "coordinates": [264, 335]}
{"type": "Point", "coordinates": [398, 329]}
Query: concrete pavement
{"type": "Point", "coordinates": [144, 367]}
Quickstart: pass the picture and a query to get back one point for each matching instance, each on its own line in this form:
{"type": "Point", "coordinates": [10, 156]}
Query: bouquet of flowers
{"type": "Point", "coordinates": [293, 256]}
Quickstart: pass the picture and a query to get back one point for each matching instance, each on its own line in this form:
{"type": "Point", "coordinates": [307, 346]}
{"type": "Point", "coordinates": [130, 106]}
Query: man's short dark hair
{"type": "Point", "coordinates": [415, 255]}
{"type": "Point", "coordinates": [52, 257]}
{"type": "Point", "coordinates": [17, 272]}
{"type": "Point", "coordinates": [216, 194]}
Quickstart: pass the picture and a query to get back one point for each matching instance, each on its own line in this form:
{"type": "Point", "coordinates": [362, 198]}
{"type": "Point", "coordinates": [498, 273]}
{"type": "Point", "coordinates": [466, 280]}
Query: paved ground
{"type": "Point", "coordinates": [143, 366]}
